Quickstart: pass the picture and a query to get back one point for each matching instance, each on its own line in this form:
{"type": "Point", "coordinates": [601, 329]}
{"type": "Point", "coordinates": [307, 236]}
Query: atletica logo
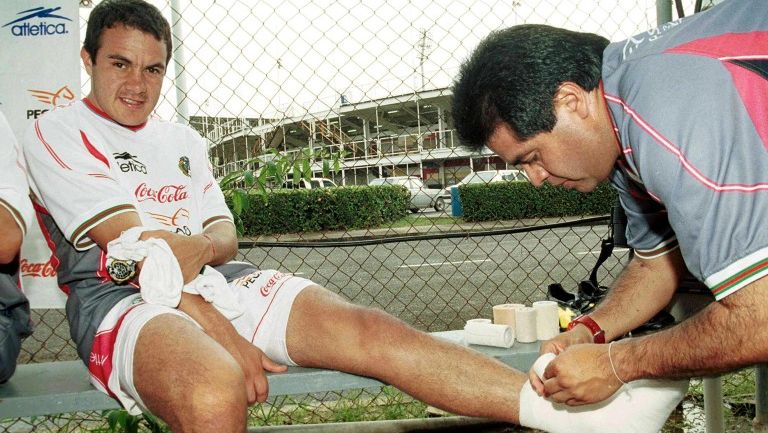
{"type": "Point", "coordinates": [128, 162]}
{"type": "Point", "coordinates": [24, 26]}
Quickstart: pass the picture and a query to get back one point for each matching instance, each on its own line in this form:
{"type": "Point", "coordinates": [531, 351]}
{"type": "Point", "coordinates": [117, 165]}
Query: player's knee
{"type": "Point", "coordinates": [218, 403]}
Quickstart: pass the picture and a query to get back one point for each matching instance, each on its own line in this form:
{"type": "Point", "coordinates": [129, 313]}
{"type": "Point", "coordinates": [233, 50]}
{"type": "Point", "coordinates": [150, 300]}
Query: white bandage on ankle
{"type": "Point", "coordinates": [641, 406]}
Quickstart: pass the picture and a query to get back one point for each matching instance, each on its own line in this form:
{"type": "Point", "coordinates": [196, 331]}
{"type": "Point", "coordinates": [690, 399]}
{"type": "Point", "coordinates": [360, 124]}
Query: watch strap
{"type": "Point", "coordinates": [598, 334]}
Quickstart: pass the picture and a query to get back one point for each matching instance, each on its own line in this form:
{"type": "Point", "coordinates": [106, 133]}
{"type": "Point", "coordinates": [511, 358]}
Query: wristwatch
{"type": "Point", "coordinates": [598, 334]}
{"type": "Point", "coordinates": [121, 271]}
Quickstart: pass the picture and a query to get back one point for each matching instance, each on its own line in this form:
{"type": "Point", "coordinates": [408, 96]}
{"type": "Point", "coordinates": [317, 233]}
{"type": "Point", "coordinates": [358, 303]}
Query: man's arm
{"type": "Point", "coordinates": [643, 289]}
{"type": "Point", "coordinates": [10, 237]}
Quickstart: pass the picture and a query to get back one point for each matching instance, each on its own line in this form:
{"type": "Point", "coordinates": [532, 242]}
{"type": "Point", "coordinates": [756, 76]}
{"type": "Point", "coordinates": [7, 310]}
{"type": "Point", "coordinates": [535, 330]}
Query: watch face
{"type": "Point", "coordinates": [121, 270]}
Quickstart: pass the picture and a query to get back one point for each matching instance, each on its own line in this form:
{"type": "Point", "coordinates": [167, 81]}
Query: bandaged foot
{"type": "Point", "coordinates": [641, 406]}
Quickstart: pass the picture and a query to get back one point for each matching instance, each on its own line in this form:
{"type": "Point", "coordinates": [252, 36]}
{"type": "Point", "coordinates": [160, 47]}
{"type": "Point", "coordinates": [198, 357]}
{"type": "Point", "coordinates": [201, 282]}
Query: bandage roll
{"type": "Point", "coordinates": [478, 321]}
{"type": "Point", "coordinates": [525, 325]}
{"type": "Point", "coordinates": [504, 314]}
{"type": "Point", "coordinates": [547, 320]}
{"type": "Point", "coordinates": [488, 334]}
{"type": "Point", "coordinates": [541, 364]}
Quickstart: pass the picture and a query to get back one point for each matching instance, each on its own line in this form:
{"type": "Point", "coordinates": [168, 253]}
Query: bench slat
{"type": "Point", "coordinates": [63, 386]}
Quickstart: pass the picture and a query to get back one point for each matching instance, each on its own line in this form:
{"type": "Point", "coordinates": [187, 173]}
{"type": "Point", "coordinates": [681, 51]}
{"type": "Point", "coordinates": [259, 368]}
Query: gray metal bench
{"type": "Point", "coordinates": [63, 386]}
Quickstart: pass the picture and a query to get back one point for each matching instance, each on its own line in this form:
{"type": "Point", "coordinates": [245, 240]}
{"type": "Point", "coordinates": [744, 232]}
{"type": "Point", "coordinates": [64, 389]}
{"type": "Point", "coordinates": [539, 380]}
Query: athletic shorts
{"type": "Point", "coordinates": [266, 295]}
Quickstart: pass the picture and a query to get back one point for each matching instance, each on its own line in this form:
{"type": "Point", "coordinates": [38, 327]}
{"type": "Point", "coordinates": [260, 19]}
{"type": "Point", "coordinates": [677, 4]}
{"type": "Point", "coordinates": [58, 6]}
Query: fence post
{"type": "Point", "coordinates": [761, 399]}
{"type": "Point", "coordinates": [713, 404]}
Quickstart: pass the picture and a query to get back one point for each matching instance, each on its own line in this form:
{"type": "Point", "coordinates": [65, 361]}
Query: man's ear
{"type": "Point", "coordinates": [87, 61]}
{"type": "Point", "coordinates": [572, 97]}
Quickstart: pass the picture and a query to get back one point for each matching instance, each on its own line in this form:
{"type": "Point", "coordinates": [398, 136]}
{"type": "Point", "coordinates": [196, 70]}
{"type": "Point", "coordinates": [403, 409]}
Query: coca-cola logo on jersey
{"type": "Point", "coordinates": [164, 194]}
{"type": "Point", "coordinates": [31, 269]}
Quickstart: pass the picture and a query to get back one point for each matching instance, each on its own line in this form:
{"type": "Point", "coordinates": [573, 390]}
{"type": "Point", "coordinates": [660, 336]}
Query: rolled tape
{"type": "Point", "coordinates": [504, 314]}
{"type": "Point", "coordinates": [479, 321]}
{"type": "Point", "coordinates": [525, 325]}
{"type": "Point", "coordinates": [547, 319]}
{"type": "Point", "coordinates": [488, 334]}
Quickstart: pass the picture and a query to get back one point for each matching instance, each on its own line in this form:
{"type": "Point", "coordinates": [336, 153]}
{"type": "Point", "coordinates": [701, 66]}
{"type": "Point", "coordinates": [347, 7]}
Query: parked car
{"type": "Point", "coordinates": [488, 176]}
{"type": "Point", "coordinates": [421, 196]}
{"type": "Point", "coordinates": [312, 183]}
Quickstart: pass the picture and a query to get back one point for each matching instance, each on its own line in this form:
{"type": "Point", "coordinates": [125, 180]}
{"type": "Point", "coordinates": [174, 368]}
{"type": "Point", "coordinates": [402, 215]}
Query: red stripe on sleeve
{"type": "Point", "coordinates": [98, 155]}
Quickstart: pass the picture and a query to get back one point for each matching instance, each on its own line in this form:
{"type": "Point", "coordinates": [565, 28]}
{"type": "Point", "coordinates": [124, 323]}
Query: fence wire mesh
{"type": "Point", "coordinates": [369, 82]}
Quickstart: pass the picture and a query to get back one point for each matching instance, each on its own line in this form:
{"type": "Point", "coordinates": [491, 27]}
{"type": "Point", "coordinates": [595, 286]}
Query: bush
{"type": "Point", "coordinates": [516, 200]}
{"type": "Point", "coordinates": [309, 210]}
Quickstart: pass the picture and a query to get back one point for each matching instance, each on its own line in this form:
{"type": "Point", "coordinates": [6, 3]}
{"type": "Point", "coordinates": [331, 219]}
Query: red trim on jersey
{"type": "Point", "coordinates": [687, 165]}
{"type": "Point", "coordinates": [103, 114]}
{"type": "Point", "coordinates": [93, 151]}
{"type": "Point", "coordinates": [100, 360]}
{"type": "Point", "coordinates": [728, 46]}
{"type": "Point", "coordinates": [55, 262]}
{"type": "Point", "coordinates": [48, 147]}
{"type": "Point", "coordinates": [101, 272]}
{"type": "Point", "coordinates": [207, 187]}
{"type": "Point", "coordinates": [752, 88]}
{"type": "Point", "coordinates": [613, 123]}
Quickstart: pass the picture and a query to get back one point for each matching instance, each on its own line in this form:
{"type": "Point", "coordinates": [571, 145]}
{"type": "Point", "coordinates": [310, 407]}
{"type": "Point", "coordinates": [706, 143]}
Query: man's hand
{"type": "Point", "coordinates": [580, 375]}
{"type": "Point", "coordinates": [254, 364]}
{"type": "Point", "coordinates": [578, 335]}
{"type": "Point", "coordinates": [251, 359]}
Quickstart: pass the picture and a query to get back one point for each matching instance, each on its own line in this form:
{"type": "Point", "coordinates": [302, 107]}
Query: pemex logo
{"type": "Point", "coordinates": [52, 99]}
{"type": "Point", "coordinates": [39, 21]}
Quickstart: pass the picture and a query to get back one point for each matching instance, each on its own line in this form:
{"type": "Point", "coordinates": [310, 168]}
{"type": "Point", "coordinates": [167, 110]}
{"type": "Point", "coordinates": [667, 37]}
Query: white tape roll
{"type": "Point", "coordinates": [488, 334]}
{"type": "Point", "coordinates": [547, 320]}
{"type": "Point", "coordinates": [525, 325]}
{"type": "Point", "coordinates": [504, 314]}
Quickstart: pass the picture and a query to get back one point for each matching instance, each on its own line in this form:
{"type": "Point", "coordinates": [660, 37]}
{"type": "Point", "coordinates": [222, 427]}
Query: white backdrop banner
{"type": "Point", "coordinates": [39, 70]}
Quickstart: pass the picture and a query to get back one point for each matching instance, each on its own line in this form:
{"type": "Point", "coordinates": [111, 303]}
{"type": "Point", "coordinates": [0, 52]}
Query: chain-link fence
{"type": "Point", "coordinates": [369, 82]}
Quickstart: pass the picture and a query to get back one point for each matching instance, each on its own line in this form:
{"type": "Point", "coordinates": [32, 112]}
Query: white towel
{"type": "Point", "coordinates": [213, 287]}
{"type": "Point", "coordinates": [161, 280]}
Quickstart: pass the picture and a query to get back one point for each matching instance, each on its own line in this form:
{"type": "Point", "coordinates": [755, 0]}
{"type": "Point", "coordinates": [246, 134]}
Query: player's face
{"type": "Point", "coordinates": [568, 156]}
{"type": "Point", "coordinates": [127, 74]}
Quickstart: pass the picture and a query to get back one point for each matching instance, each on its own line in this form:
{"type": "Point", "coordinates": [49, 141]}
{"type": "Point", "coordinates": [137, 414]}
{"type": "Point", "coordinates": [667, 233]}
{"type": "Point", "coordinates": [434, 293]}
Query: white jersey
{"type": "Point", "coordinates": [86, 168]}
{"type": "Point", "coordinates": [14, 191]}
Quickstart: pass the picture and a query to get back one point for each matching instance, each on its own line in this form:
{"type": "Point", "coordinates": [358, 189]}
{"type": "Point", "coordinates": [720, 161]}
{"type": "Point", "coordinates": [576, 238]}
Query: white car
{"type": "Point", "coordinates": [421, 196]}
{"type": "Point", "coordinates": [488, 176]}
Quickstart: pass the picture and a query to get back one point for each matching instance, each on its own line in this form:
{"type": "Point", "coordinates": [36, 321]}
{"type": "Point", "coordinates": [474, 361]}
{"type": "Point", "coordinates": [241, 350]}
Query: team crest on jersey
{"type": "Point", "coordinates": [128, 162]}
{"type": "Point", "coordinates": [184, 165]}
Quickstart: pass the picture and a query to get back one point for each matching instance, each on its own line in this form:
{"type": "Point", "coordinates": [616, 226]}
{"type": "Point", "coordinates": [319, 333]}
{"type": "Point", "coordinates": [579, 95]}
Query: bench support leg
{"type": "Point", "coordinates": [713, 404]}
{"type": "Point", "coordinates": [760, 423]}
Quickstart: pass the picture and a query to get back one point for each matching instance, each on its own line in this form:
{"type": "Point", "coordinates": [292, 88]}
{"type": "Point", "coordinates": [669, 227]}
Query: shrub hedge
{"type": "Point", "coordinates": [309, 210]}
{"type": "Point", "coordinates": [515, 200]}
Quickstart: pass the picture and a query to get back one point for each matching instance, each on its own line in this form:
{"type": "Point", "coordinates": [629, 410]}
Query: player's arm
{"type": "Point", "coordinates": [217, 246]}
{"type": "Point", "coordinates": [10, 236]}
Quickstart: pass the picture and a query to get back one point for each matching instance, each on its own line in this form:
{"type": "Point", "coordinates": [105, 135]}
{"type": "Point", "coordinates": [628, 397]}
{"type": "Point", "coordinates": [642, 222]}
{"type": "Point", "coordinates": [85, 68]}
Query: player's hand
{"type": "Point", "coordinates": [192, 252]}
{"type": "Point", "coordinates": [577, 335]}
{"type": "Point", "coordinates": [255, 364]}
{"type": "Point", "coordinates": [581, 374]}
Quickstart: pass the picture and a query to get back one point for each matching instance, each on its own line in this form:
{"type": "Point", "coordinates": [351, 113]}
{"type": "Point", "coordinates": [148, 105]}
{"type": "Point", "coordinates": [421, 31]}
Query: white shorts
{"type": "Point", "coordinates": [267, 296]}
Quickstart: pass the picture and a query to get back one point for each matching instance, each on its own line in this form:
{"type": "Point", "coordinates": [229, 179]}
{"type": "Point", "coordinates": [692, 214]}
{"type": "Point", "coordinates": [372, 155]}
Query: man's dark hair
{"type": "Point", "coordinates": [513, 76]}
{"type": "Point", "coordinates": [136, 14]}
